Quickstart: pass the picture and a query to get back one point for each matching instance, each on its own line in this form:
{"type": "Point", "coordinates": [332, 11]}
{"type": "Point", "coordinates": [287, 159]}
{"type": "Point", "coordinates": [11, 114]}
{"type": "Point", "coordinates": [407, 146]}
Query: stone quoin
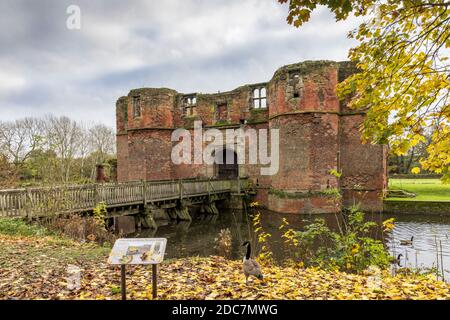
{"type": "Point", "coordinates": [317, 133]}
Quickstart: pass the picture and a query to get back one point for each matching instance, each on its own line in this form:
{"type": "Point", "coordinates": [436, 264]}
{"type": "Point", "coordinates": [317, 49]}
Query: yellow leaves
{"type": "Point", "coordinates": [355, 249]}
{"type": "Point", "coordinates": [265, 256]}
{"type": "Point", "coordinates": [212, 278]}
{"type": "Point", "coordinates": [262, 237]}
{"type": "Point", "coordinates": [403, 81]}
{"type": "Point", "coordinates": [290, 237]}
{"type": "Point", "coordinates": [256, 219]}
{"type": "Point", "coordinates": [335, 173]}
{"type": "Point", "coordinates": [283, 224]}
{"type": "Point", "coordinates": [415, 170]}
{"type": "Point", "coordinates": [254, 204]}
{"type": "Point", "coordinates": [388, 225]}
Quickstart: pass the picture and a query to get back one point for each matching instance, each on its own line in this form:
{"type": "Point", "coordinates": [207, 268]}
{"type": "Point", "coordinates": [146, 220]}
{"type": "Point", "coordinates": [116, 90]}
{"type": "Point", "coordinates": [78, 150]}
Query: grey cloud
{"type": "Point", "coordinates": [193, 45]}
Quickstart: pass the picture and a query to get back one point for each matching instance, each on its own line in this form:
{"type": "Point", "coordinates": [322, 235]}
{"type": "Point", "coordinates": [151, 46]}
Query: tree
{"type": "Point", "coordinates": [64, 137]}
{"type": "Point", "coordinates": [8, 174]}
{"type": "Point", "coordinates": [18, 139]}
{"type": "Point", "coordinates": [52, 150]}
{"type": "Point", "coordinates": [403, 82]}
{"type": "Point", "coordinates": [41, 167]}
{"type": "Point", "coordinates": [103, 142]}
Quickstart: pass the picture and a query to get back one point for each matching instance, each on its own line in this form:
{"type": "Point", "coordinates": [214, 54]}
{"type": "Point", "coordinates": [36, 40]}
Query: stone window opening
{"type": "Point", "coordinates": [295, 84]}
{"type": "Point", "coordinates": [136, 106]}
{"type": "Point", "coordinates": [259, 98]}
{"type": "Point", "coordinates": [222, 111]}
{"type": "Point", "coordinates": [189, 105]}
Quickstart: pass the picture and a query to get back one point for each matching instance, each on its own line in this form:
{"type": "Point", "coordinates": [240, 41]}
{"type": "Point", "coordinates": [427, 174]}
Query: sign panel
{"type": "Point", "coordinates": [138, 251]}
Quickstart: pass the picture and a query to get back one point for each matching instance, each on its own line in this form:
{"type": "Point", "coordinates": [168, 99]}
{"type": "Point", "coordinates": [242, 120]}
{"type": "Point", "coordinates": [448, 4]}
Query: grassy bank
{"type": "Point", "coordinates": [33, 266]}
{"type": "Point", "coordinates": [425, 189]}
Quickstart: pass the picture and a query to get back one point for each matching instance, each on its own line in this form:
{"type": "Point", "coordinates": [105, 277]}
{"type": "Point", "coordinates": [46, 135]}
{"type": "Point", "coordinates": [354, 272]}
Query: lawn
{"type": "Point", "coordinates": [425, 189]}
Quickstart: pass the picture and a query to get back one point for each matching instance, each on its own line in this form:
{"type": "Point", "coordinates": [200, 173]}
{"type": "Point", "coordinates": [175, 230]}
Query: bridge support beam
{"type": "Point", "coordinates": [146, 220]}
{"type": "Point", "coordinates": [209, 207]}
{"type": "Point", "coordinates": [180, 212]}
{"type": "Point", "coordinates": [183, 213]}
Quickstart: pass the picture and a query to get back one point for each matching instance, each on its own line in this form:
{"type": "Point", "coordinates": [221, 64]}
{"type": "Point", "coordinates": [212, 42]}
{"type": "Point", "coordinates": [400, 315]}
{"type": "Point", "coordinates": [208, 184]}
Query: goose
{"type": "Point", "coordinates": [406, 242]}
{"type": "Point", "coordinates": [398, 260]}
{"type": "Point", "coordinates": [250, 266]}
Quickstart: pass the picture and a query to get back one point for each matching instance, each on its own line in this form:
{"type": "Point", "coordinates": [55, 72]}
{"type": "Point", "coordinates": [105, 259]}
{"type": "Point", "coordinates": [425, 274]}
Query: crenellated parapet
{"type": "Point", "coordinates": [318, 134]}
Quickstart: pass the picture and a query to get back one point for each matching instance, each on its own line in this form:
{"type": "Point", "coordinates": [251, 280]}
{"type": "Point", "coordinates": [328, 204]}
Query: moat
{"type": "Point", "coordinates": [197, 238]}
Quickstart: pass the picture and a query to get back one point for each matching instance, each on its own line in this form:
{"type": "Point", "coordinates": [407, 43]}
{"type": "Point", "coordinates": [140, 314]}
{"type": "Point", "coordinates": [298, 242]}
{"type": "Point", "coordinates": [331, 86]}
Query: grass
{"type": "Point", "coordinates": [18, 227]}
{"type": "Point", "coordinates": [425, 189]}
{"type": "Point", "coordinates": [51, 247]}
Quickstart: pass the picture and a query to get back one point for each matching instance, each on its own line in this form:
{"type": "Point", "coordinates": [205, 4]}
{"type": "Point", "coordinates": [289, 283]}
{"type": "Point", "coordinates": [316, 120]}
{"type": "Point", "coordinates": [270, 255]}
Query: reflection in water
{"type": "Point", "coordinates": [198, 238]}
{"type": "Point", "coordinates": [425, 250]}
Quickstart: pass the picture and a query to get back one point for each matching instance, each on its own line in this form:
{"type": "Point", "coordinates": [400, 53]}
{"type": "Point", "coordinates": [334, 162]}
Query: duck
{"type": "Point", "coordinates": [407, 242]}
{"type": "Point", "coordinates": [249, 265]}
{"type": "Point", "coordinates": [397, 260]}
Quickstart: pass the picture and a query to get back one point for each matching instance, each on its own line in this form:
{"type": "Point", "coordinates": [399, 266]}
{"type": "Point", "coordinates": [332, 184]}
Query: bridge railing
{"type": "Point", "coordinates": [76, 198]}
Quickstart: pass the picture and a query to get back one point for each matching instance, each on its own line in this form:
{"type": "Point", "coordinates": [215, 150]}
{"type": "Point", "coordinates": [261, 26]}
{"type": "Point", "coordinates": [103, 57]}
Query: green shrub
{"type": "Point", "coordinates": [350, 249]}
{"type": "Point", "coordinates": [19, 227]}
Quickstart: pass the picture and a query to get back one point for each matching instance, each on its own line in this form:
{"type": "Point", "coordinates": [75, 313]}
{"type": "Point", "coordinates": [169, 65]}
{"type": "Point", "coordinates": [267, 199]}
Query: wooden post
{"type": "Point", "coordinates": [238, 185]}
{"type": "Point", "coordinates": [154, 280]}
{"type": "Point", "coordinates": [181, 188]}
{"type": "Point", "coordinates": [28, 204]}
{"type": "Point", "coordinates": [96, 195]}
{"type": "Point", "coordinates": [122, 282]}
{"type": "Point", "coordinates": [144, 191]}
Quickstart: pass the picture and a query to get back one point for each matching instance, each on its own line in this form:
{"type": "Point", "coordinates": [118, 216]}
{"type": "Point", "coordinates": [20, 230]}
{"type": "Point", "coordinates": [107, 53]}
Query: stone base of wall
{"type": "Point", "coordinates": [306, 205]}
{"type": "Point", "coordinates": [262, 197]}
{"type": "Point", "coordinates": [417, 207]}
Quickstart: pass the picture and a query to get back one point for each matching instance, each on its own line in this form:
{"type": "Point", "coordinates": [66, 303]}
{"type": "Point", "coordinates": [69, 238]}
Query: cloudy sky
{"type": "Point", "coordinates": [187, 45]}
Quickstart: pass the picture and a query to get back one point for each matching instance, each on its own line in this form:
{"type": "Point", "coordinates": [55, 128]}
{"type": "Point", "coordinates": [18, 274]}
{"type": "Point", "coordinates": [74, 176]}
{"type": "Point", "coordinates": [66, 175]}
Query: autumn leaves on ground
{"type": "Point", "coordinates": [33, 265]}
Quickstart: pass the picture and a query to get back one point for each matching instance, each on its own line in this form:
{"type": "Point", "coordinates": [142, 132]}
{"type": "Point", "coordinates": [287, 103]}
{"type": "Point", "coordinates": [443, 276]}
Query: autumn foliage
{"type": "Point", "coordinates": [35, 267]}
{"type": "Point", "coordinates": [403, 84]}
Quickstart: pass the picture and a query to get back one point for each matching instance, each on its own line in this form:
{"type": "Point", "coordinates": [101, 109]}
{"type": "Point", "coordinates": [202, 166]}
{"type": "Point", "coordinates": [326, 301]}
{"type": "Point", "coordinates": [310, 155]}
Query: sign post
{"type": "Point", "coordinates": [139, 251]}
{"type": "Point", "coordinates": [123, 287]}
{"type": "Point", "coordinates": [154, 280]}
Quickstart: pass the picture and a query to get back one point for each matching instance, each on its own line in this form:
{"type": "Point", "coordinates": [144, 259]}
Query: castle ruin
{"type": "Point", "coordinates": [318, 133]}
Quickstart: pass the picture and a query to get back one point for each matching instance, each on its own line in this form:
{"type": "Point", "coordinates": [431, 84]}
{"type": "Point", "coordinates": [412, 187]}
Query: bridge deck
{"type": "Point", "coordinates": [78, 198]}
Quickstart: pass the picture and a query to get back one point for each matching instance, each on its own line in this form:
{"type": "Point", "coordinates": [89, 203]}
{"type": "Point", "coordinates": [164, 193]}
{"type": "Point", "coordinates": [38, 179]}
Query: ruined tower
{"type": "Point", "coordinates": [318, 135]}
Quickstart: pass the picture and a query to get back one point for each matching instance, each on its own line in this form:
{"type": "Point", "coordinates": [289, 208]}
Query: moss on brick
{"type": "Point", "coordinates": [331, 192]}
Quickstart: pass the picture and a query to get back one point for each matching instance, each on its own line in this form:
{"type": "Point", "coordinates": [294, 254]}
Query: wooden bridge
{"type": "Point", "coordinates": [44, 201]}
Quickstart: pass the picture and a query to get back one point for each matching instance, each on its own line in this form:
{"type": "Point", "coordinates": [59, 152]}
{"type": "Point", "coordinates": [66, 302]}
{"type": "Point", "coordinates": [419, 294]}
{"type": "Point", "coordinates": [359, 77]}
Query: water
{"type": "Point", "coordinates": [198, 238]}
{"type": "Point", "coordinates": [429, 236]}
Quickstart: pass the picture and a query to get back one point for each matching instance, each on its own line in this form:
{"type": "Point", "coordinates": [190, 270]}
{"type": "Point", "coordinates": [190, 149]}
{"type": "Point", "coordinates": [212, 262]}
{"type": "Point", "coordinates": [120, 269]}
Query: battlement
{"type": "Point", "coordinates": [308, 86]}
{"type": "Point", "coordinates": [318, 133]}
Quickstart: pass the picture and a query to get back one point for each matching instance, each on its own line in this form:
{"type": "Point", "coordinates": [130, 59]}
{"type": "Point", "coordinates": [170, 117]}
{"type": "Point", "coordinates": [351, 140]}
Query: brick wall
{"type": "Point", "coordinates": [317, 134]}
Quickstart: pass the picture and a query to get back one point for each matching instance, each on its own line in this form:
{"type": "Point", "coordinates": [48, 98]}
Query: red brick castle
{"type": "Point", "coordinates": [318, 133]}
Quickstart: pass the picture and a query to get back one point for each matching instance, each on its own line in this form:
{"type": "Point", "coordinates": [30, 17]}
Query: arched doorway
{"type": "Point", "coordinates": [228, 168]}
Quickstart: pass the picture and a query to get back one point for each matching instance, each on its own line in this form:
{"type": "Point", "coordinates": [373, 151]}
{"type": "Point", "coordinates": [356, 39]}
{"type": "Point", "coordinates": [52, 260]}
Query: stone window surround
{"type": "Point", "coordinates": [189, 104]}
{"type": "Point", "coordinates": [137, 109]}
{"type": "Point", "coordinates": [259, 101]}
{"type": "Point", "coordinates": [218, 105]}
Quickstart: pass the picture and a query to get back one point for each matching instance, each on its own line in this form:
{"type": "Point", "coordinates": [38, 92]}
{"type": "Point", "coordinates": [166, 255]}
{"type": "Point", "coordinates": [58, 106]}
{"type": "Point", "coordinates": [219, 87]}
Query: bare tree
{"type": "Point", "coordinates": [103, 142]}
{"type": "Point", "coordinates": [54, 149]}
{"type": "Point", "coordinates": [85, 147]}
{"type": "Point", "coordinates": [18, 139]}
{"type": "Point", "coordinates": [64, 136]}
